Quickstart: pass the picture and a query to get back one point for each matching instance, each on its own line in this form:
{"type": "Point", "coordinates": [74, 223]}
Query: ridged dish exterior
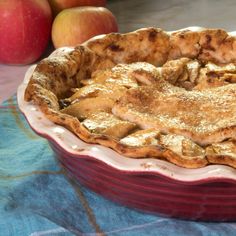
{"type": "Point", "coordinates": [206, 194]}
{"type": "Point", "coordinates": [214, 200]}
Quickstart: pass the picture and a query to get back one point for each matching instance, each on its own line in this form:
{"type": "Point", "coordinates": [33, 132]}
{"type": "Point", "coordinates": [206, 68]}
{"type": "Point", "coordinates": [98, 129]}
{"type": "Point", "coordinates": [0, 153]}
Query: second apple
{"type": "Point", "coordinates": [76, 25]}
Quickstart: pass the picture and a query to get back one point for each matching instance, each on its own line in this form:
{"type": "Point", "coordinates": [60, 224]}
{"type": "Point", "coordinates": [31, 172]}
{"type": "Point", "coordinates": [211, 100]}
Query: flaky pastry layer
{"type": "Point", "coordinates": [56, 77]}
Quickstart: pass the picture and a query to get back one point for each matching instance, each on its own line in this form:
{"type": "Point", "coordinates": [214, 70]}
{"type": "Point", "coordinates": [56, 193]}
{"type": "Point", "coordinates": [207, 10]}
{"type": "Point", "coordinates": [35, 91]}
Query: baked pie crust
{"type": "Point", "coordinates": [148, 93]}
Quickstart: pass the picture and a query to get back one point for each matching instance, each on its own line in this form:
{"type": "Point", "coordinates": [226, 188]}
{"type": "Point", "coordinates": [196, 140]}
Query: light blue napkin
{"type": "Point", "coordinates": [37, 199]}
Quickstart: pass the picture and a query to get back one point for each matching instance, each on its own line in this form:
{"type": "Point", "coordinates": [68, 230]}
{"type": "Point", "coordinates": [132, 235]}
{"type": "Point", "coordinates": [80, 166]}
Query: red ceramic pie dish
{"type": "Point", "coordinates": [151, 185]}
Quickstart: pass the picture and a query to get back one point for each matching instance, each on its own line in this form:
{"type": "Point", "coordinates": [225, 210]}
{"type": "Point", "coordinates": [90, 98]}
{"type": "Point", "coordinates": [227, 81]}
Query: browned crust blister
{"type": "Point", "coordinates": [55, 76]}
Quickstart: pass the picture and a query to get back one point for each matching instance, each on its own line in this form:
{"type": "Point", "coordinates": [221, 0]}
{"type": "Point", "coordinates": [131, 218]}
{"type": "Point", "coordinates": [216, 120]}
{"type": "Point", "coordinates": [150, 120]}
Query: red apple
{"type": "Point", "coordinates": [24, 30]}
{"type": "Point", "coordinates": [59, 5]}
{"type": "Point", "coordinates": [75, 25]}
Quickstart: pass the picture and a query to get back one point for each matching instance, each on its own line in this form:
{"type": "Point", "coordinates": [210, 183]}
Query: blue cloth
{"type": "Point", "coordinates": [37, 199]}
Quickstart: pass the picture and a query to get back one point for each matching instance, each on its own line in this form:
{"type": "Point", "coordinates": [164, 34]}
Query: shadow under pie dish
{"type": "Point", "coordinates": [155, 115]}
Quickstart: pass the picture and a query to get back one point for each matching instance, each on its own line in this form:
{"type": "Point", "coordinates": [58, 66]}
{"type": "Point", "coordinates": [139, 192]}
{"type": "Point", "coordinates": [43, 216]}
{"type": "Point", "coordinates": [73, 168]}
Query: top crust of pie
{"type": "Point", "coordinates": [118, 73]}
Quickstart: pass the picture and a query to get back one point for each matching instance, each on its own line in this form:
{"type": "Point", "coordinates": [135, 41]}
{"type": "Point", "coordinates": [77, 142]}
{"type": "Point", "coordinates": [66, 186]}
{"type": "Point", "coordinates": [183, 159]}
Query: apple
{"type": "Point", "coordinates": [74, 26]}
{"type": "Point", "coordinates": [24, 30]}
{"type": "Point", "coordinates": [59, 5]}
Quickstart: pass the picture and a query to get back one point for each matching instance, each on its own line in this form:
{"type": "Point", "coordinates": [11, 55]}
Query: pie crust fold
{"type": "Point", "coordinates": [147, 93]}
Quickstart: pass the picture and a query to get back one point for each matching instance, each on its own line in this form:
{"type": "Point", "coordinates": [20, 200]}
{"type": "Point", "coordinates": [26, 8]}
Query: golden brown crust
{"type": "Point", "coordinates": [184, 44]}
{"type": "Point", "coordinates": [68, 68]}
{"type": "Point", "coordinates": [150, 45]}
{"type": "Point", "coordinates": [206, 117]}
{"type": "Point", "coordinates": [222, 153]}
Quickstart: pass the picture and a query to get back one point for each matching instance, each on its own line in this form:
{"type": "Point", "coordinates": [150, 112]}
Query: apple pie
{"type": "Point", "coordinates": [146, 94]}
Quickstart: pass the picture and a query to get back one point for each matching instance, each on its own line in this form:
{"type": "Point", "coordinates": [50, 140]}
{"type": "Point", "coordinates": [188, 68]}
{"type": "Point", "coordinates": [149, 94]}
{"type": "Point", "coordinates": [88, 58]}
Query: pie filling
{"type": "Point", "coordinates": [179, 106]}
{"type": "Point", "coordinates": [183, 110]}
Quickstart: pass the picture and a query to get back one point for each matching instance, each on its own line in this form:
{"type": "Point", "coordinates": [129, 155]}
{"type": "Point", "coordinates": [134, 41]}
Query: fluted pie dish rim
{"type": "Point", "coordinates": [150, 184]}
{"type": "Point", "coordinates": [210, 173]}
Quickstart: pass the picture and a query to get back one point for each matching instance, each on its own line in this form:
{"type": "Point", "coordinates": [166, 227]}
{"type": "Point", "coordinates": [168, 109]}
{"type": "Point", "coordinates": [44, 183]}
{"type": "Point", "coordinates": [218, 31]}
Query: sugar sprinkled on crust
{"type": "Point", "coordinates": [68, 68]}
